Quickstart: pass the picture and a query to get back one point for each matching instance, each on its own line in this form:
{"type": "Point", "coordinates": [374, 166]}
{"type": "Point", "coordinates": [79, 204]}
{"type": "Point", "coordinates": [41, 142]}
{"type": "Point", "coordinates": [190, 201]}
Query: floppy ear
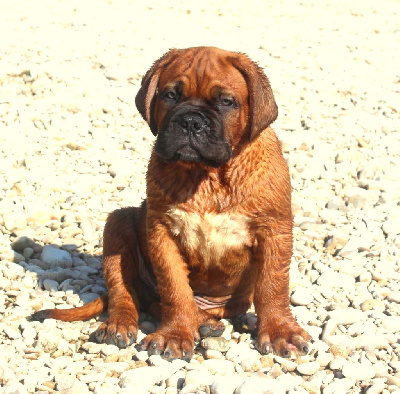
{"type": "Point", "coordinates": [262, 106]}
{"type": "Point", "coordinates": [145, 96]}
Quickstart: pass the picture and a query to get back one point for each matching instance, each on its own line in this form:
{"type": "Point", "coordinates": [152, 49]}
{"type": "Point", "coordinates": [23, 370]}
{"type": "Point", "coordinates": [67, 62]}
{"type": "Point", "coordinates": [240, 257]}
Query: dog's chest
{"type": "Point", "coordinates": [211, 235]}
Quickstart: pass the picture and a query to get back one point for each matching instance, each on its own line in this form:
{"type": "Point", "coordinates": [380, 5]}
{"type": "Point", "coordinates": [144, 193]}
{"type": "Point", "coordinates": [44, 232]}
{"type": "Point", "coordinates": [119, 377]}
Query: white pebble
{"type": "Point", "coordinates": [358, 371]}
{"type": "Point", "coordinates": [308, 368]}
{"type": "Point", "coordinates": [55, 257]}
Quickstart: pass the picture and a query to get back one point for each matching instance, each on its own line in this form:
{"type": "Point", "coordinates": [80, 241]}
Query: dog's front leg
{"type": "Point", "coordinates": [179, 326]}
{"type": "Point", "coordinates": [278, 331]}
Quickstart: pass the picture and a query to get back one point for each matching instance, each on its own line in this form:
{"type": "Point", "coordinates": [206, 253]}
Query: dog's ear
{"type": "Point", "coordinates": [262, 106]}
{"type": "Point", "coordinates": [145, 96]}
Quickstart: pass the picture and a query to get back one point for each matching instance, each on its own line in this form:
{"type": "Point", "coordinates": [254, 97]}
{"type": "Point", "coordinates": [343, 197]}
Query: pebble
{"type": "Point", "coordinates": [339, 386]}
{"type": "Point", "coordinates": [209, 353]}
{"type": "Point", "coordinates": [240, 352]}
{"type": "Point", "coordinates": [56, 257]}
{"type": "Point", "coordinates": [260, 386]}
{"type": "Point", "coordinates": [377, 305]}
{"type": "Point", "coordinates": [216, 343]}
{"type": "Point", "coordinates": [88, 297]}
{"type": "Point", "coordinates": [176, 380]}
{"type": "Point", "coordinates": [199, 378]}
{"type": "Point", "coordinates": [336, 279]}
{"type": "Point", "coordinates": [308, 368]}
{"type": "Point", "coordinates": [391, 323]}
{"type": "Point", "coordinates": [394, 297]}
{"type": "Point", "coordinates": [11, 332]}
{"type": "Point", "coordinates": [377, 387]}
{"type": "Point", "coordinates": [21, 243]}
{"type": "Point", "coordinates": [301, 296]}
{"type": "Point", "coordinates": [251, 365]}
{"type": "Point", "coordinates": [219, 366]}
{"type": "Point", "coordinates": [347, 316]}
{"type": "Point", "coordinates": [226, 384]}
{"type": "Point", "coordinates": [324, 359]}
{"type": "Point", "coordinates": [50, 285]}
{"type": "Point", "coordinates": [140, 378]}
{"type": "Point", "coordinates": [358, 371]}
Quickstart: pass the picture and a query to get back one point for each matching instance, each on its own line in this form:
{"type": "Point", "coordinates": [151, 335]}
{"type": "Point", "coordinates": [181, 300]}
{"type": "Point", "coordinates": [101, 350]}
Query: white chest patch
{"type": "Point", "coordinates": [211, 234]}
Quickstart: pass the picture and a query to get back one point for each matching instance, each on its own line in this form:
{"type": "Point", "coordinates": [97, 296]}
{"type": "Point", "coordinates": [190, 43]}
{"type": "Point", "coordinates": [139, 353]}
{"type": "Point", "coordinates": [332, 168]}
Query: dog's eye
{"type": "Point", "coordinates": [170, 95]}
{"type": "Point", "coordinates": [227, 102]}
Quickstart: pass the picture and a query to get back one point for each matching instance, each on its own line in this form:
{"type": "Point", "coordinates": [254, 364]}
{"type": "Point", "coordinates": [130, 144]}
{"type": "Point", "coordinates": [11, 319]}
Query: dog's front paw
{"type": "Point", "coordinates": [121, 331]}
{"type": "Point", "coordinates": [283, 338]}
{"type": "Point", "coordinates": [172, 343]}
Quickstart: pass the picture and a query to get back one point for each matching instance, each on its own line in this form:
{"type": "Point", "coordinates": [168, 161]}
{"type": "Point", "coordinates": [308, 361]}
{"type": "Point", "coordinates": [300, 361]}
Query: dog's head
{"type": "Point", "coordinates": [202, 102]}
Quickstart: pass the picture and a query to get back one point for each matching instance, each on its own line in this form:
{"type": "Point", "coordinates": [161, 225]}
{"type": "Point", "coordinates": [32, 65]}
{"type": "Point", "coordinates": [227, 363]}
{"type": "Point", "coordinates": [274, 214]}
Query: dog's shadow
{"type": "Point", "coordinates": [62, 268]}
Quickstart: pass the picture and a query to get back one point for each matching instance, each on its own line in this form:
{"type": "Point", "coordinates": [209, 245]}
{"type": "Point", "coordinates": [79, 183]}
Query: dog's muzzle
{"type": "Point", "coordinates": [193, 135]}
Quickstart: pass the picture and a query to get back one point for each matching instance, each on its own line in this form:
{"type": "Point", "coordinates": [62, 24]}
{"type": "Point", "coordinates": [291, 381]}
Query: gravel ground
{"type": "Point", "coordinates": [73, 148]}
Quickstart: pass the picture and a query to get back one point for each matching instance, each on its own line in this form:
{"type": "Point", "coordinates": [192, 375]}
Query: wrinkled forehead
{"type": "Point", "coordinates": [201, 73]}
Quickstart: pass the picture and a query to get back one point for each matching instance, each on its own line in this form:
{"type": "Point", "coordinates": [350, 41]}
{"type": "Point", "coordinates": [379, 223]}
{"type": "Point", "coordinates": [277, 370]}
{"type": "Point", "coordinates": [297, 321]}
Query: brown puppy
{"type": "Point", "coordinates": [215, 233]}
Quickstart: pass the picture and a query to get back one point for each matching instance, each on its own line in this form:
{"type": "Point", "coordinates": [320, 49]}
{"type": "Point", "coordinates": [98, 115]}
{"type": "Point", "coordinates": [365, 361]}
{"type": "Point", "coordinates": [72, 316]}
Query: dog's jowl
{"type": "Point", "coordinates": [215, 232]}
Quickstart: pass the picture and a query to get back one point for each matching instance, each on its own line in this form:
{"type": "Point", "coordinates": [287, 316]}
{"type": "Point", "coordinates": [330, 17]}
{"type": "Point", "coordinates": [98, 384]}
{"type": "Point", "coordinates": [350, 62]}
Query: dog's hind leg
{"type": "Point", "coordinates": [120, 267]}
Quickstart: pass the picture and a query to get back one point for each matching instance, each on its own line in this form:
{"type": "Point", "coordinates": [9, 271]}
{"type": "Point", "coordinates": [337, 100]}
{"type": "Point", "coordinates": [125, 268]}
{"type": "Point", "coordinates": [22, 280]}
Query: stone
{"type": "Point", "coordinates": [109, 350]}
{"type": "Point", "coordinates": [116, 367]}
{"type": "Point", "coordinates": [176, 380]}
{"type": "Point", "coordinates": [28, 253]}
{"type": "Point", "coordinates": [55, 257]}
{"type": "Point", "coordinates": [226, 384]}
{"type": "Point", "coordinates": [324, 359]}
{"type": "Point", "coordinates": [275, 371]}
{"type": "Point", "coordinates": [216, 343]}
{"type": "Point", "coordinates": [394, 297]}
{"type": "Point", "coordinates": [308, 368]}
{"type": "Point", "coordinates": [339, 386]}
{"type": "Point", "coordinates": [358, 201]}
{"type": "Point", "coordinates": [88, 297]}
{"type": "Point", "coordinates": [329, 329]}
{"type": "Point", "coordinates": [140, 378]}
{"type": "Point", "coordinates": [251, 365]}
{"type": "Point", "coordinates": [219, 366]}
{"type": "Point", "coordinates": [240, 351]}
{"type": "Point", "coordinates": [377, 305]}
{"type": "Point", "coordinates": [11, 332]}
{"type": "Point", "coordinates": [49, 340]}
{"type": "Point", "coordinates": [391, 323]}
{"type": "Point", "coordinates": [65, 382]}
{"type": "Point", "coordinates": [336, 280]}
{"type": "Point", "coordinates": [15, 221]}
{"type": "Point", "coordinates": [377, 387]}
{"type": "Point", "coordinates": [289, 381]}
{"type": "Point", "coordinates": [260, 386]}
{"type": "Point", "coordinates": [77, 388]}
{"type": "Point", "coordinates": [358, 371]}
{"type": "Point", "coordinates": [21, 243]}
{"type": "Point", "coordinates": [391, 227]}
{"type": "Point", "coordinates": [301, 296]}
{"type": "Point", "coordinates": [50, 285]}
{"type": "Point", "coordinates": [209, 354]}
{"type": "Point", "coordinates": [199, 378]}
{"type": "Point", "coordinates": [347, 316]}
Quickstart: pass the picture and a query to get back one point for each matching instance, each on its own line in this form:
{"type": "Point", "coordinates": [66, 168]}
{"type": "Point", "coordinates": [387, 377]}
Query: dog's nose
{"type": "Point", "coordinates": [191, 122]}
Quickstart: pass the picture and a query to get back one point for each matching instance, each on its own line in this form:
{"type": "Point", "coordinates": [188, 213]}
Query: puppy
{"type": "Point", "coordinates": [215, 232]}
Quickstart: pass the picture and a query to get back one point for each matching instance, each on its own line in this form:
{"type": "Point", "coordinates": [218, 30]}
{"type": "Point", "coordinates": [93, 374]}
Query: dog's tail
{"type": "Point", "coordinates": [84, 312]}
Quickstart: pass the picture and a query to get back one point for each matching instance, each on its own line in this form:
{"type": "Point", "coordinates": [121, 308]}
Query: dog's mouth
{"type": "Point", "coordinates": [193, 134]}
{"type": "Point", "coordinates": [190, 155]}
{"type": "Point", "coordinates": [187, 150]}
{"type": "Point", "coordinates": [187, 153]}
